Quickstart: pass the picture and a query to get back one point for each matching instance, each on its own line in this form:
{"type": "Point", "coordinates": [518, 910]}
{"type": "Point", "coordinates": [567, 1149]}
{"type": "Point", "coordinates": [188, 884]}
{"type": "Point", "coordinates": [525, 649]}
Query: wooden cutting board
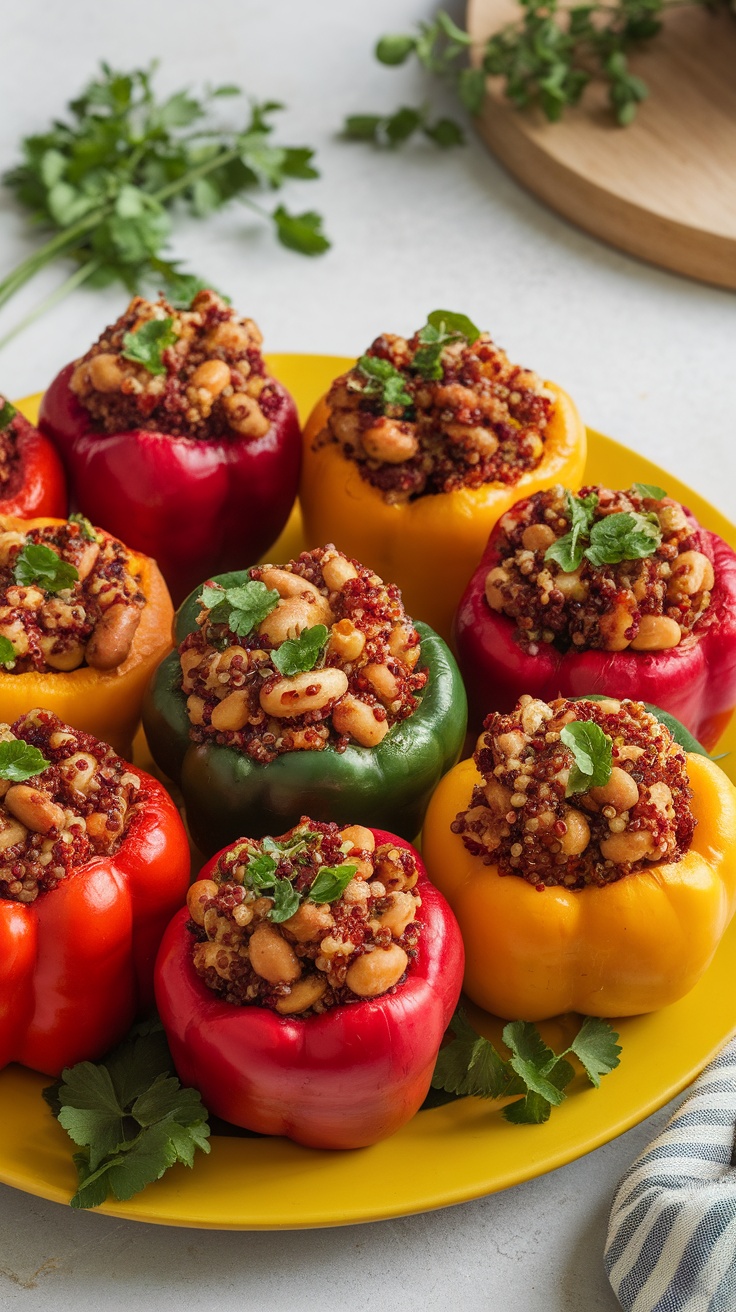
{"type": "Point", "coordinates": [664, 188]}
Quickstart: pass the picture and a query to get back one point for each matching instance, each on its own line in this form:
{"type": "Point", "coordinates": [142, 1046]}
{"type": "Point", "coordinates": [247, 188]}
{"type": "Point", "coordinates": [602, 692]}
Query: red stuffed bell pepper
{"type": "Point", "coordinates": [176, 440]}
{"type": "Point", "coordinates": [31, 474]}
{"type": "Point", "coordinates": [309, 994]}
{"type": "Point", "coordinates": [94, 860]}
{"type": "Point", "coordinates": [642, 604]}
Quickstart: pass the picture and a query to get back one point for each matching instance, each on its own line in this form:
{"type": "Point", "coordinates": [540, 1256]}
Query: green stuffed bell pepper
{"type": "Point", "coordinates": [303, 689]}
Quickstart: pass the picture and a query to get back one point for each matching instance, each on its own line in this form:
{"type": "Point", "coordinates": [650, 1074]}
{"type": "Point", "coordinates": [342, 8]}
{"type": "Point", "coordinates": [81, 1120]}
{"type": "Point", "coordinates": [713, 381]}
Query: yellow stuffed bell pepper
{"type": "Point", "coordinates": [83, 624]}
{"type": "Point", "coordinates": [419, 449]}
{"type": "Point", "coordinates": [619, 949]}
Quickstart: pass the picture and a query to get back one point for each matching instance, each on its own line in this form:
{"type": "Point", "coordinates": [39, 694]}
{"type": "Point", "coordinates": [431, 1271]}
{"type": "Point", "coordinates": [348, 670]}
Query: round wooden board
{"type": "Point", "coordinates": [664, 188]}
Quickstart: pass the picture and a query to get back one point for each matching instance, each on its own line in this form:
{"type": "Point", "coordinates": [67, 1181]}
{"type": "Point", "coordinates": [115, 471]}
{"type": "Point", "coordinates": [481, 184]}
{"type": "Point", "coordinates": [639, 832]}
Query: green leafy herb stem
{"type": "Point", "coordinates": [39, 564]}
{"type": "Point", "coordinates": [592, 753]}
{"type": "Point", "coordinates": [378, 378]}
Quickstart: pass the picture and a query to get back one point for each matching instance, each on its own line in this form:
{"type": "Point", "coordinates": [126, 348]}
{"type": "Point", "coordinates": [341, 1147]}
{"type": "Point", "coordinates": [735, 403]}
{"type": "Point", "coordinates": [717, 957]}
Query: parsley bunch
{"type": "Point", "coordinates": [261, 874]}
{"type": "Point", "coordinates": [622, 536]}
{"type": "Point", "coordinates": [546, 58]}
{"type": "Point", "coordinates": [471, 1065]}
{"type": "Point", "coordinates": [105, 180]}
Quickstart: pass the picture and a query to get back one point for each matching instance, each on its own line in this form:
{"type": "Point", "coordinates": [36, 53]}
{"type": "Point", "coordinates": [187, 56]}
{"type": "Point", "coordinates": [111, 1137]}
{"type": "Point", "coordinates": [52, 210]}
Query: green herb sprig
{"type": "Point", "coordinates": [441, 329]}
{"type": "Point", "coordinates": [39, 564]}
{"type": "Point", "coordinates": [130, 1117]}
{"type": "Point", "coordinates": [378, 378]}
{"type": "Point", "coordinates": [470, 1065]}
{"type": "Point", "coordinates": [592, 753]}
{"type": "Point", "coordinates": [104, 181]}
{"type": "Point", "coordinates": [7, 414]}
{"type": "Point", "coordinates": [147, 344]}
{"type": "Point", "coordinates": [607, 541]}
{"type": "Point", "coordinates": [242, 608]}
{"type": "Point", "coordinates": [86, 529]}
{"type": "Point", "coordinates": [297, 655]}
{"type": "Point", "coordinates": [20, 760]}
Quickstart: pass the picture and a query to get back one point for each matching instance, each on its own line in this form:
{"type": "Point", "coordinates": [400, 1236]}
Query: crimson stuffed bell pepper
{"type": "Point", "coordinates": [613, 592]}
{"type": "Point", "coordinates": [309, 992]}
{"type": "Point", "coordinates": [175, 438]}
{"type": "Point", "coordinates": [32, 478]}
{"type": "Point", "coordinates": [94, 861]}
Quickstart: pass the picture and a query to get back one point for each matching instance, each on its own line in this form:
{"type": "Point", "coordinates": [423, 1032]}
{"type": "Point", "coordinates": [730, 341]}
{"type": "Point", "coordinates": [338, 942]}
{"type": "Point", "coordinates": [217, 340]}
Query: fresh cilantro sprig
{"type": "Point", "coordinates": [649, 490]}
{"type": "Point", "coordinates": [20, 760]}
{"type": "Point", "coordinates": [7, 414]}
{"type": "Point", "coordinates": [627, 535]}
{"type": "Point", "coordinates": [8, 654]}
{"type": "Point", "coordinates": [86, 529]}
{"type": "Point", "coordinates": [330, 882]}
{"type": "Point", "coordinates": [147, 344]}
{"type": "Point", "coordinates": [592, 753]}
{"type": "Point", "coordinates": [470, 1066]}
{"type": "Point", "coordinates": [392, 130]}
{"type": "Point", "coordinates": [242, 608]}
{"type": "Point", "coordinates": [378, 378]}
{"type": "Point", "coordinates": [39, 564]}
{"type": "Point", "coordinates": [261, 875]}
{"type": "Point", "coordinates": [130, 1117]}
{"type": "Point", "coordinates": [297, 655]}
{"type": "Point", "coordinates": [104, 181]}
{"type": "Point", "coordinates": [441, 329]}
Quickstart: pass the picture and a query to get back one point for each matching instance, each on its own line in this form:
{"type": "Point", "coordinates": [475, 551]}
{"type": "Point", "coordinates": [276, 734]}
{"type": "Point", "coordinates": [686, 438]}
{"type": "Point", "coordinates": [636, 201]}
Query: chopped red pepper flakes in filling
{"type": "Point", "coordinates": [358, 945]}
{"type": "Point", "coordinates": [650, 604]}
{"type": "Point", "coordinates": [92, 622]}
{"type": "Point", "coordinates": [366, 679]}
{"type": "Point", "coordinates": [482, 422]}
{"type": "Point", "coordinates": [212, 382]}
{"type": "Point", "coordinates": [520, 820]}
{"type": "Point", "coordinates": [76, 809]}
{"type": "Point", "coordinates": [9, 458]}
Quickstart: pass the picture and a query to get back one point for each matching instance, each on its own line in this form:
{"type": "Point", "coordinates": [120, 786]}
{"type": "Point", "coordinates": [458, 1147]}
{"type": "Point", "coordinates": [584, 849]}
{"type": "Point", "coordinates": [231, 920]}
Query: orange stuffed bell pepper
{"type": "Point", "coordinates": [94, 861]}
{"type": "Point", "coordinates": [588, 858]}
{"type": "Point", "coordinates": [83, 624]}
{"type": "Point", "coordinates": [418, 450]}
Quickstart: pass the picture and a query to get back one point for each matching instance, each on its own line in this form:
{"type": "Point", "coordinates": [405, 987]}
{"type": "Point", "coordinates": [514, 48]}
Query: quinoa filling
{"type": "Point", "coordinates": [529, 817]}
{"type": "Point", "coordinates": [301, 923]}
{"type": "Point", "coordinates": [9, 458]}
{"type": "Point", "coordinates": [312, 653]}
{"type": "Point", "coordinates": [75, 801]}
{"type": "Point", "coordinates": [635, 576]}
{"type": "Point", "coordinates": [195, 373]}
{"type": "Point", "coordinates": [461, 416]}
{"type": "Point", "coordinates": [68, 597]}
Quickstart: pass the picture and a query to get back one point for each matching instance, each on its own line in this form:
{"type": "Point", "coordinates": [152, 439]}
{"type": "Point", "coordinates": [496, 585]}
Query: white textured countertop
{"type": "Point", "coordinates": [649, 359]}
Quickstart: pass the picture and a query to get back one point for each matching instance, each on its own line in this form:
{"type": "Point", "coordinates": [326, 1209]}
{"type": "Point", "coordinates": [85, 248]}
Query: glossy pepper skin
{"type": "Point", "coordinates": [695, 682]}
{"type": "Point", "coordinates": [76, 965]}
{"type": "Point", "coordinates": [195, 506]}
{"type": "Point", "coordinates": [343, 1079]}
{"type": "Point", "coordinates": [429, 546]}
{"type": "Point", "coordinates": [227, 793]}
{"type": "Point", "coordinates": [37, 485]}
{"type": "Point", "coordinates": [106, 703]}
{"type": "Point", "coordinates": [621, 950]}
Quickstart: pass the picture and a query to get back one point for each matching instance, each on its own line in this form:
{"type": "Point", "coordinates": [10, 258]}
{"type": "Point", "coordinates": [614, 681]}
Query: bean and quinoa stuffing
{"type": "Point", "coordinates": [196, 373]}
{"type": "Point", "coordinates": [316, 918]}
{"type": "Point", "coordinates": [68, 597]}
{"type": "Point", "coordinates": [77, 807]}
{"type": "Point", "coordinates": [523, 820]}
{"type": "Point", "coordinates": [9, 458]}
{"type": "Point", "coordinates": [480, 419]}
{"type": "Point", "coordinates": [312, 653]}
{"type": "Point", "coordinates": [652, 601]}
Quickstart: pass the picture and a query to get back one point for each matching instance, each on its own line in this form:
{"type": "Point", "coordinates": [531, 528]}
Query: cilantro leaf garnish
{"type": "Point", "coordinates": [7, 652]}
{"type": "Point", "coordinates": [38, 564]}
{"type": "Point", "coordinates": [592, 756]}
{"type": "Point", "coordinates": [242, 607]}
{"type": "Point", "coordinates": [568, 551]}
{"type": "Point", "coordinates": [286, 901]}
{"type": "Point", "coordinates": [442, 328]}
{"type": "Point", "coordinates": [297, 655]}
{"type": "Point", "coordinates": [330, 882]}
{"type": "Point", "coordinates": [300, 232]}
{"type": "Point", "coordinates": [470, 1066]}
{"type": "Point", "coordinates": [20, 760]}
{"type": "Point", "coordinates": [623, 537]}
{"type": "Point", "coordinates": [86, 529]}
{"type": "Point", "coordinates": [260, 871]}
{"type": "Point", "coordinates": [130, 1116]}
{"type": "Point", "coordinates": [7, 415]}
{"type": "Point", "coordinates": [381, 380]}
{"type": "Point", "coordinates": [147, 344]}
{"type": "Point", "coordinates": [649, 490]}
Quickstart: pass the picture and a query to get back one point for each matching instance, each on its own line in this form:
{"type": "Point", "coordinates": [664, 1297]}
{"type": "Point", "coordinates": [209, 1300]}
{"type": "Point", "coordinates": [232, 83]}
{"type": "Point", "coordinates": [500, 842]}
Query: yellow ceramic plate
{"type": "Point", "coordinates": [453, 1153]}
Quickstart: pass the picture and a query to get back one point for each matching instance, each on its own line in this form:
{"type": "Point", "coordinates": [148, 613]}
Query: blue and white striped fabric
{"type": "Point", "coordinates": [671, 1243]}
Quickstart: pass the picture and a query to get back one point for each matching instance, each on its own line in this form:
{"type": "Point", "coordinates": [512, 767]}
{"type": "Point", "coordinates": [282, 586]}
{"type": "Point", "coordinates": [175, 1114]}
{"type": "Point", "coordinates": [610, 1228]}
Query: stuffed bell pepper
{"type": "Point", "coordinates": [31, 474]}
{"type": "Point", "coordinates": [94, 861]}
{"type": "Point", "coordinates": [303, 686]}
{"type": "Point", "coordinates": [603, 591]}
{"type": "Point", "coordinates": [83, 624]}
{"type": "Point", "coordinates": [418, 450]}
{"type": "Point", "coordinates": [588, 858]}
{"type": "Point", "coordinates": [307, 988]}
{"type": "Point", "coordinates": [176, 439]}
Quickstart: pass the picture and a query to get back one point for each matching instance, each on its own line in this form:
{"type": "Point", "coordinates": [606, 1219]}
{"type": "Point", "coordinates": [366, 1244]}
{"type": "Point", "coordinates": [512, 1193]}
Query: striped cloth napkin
{"type": "Point", "coordinates": [671, 1243]}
